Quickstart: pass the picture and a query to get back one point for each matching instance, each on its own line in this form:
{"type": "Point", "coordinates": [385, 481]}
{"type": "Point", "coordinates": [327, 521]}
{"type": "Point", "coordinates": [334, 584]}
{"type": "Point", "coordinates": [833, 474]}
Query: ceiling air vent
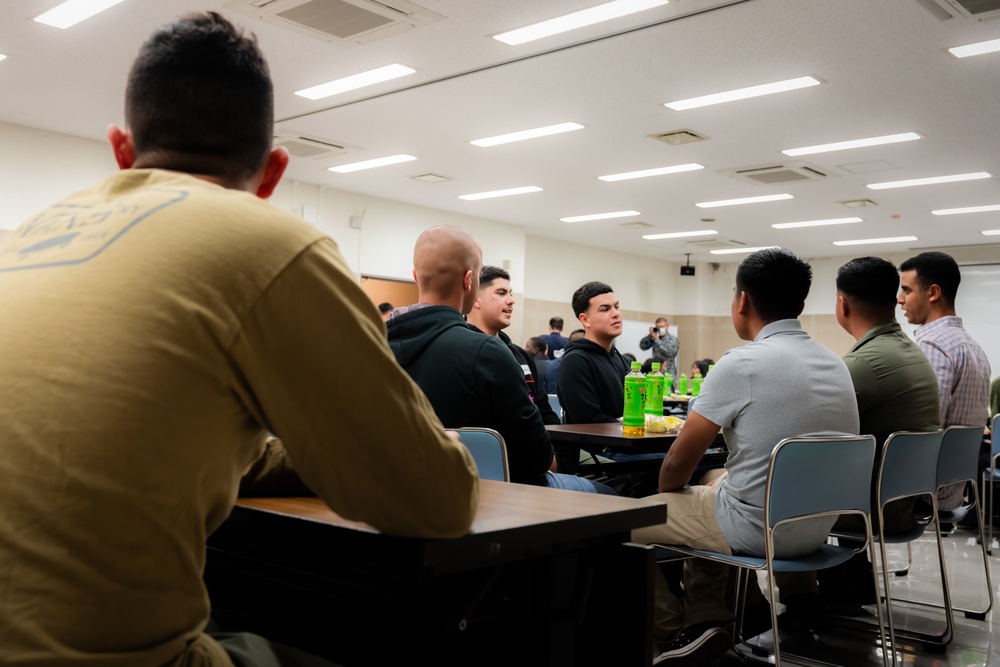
{"type": "Point", "coordinates": [784, 172]}
{"type": "Point", "coordinates": [967, 9]}
{"type": "Point", "coordinates": [306, 147]}
{"type": "Point", "coordinates": [678, 137]}
{"type": "Point", "coordinates": [347, 22]}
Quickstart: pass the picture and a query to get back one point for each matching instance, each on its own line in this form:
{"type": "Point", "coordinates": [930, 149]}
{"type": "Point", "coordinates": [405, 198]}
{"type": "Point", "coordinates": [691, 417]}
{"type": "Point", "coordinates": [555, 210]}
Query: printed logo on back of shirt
{"type": "Point", "coordinates": [72, 234]}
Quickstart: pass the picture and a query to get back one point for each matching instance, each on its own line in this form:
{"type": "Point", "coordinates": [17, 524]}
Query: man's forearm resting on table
{"type": "Point", "coordinates": [685, 453]}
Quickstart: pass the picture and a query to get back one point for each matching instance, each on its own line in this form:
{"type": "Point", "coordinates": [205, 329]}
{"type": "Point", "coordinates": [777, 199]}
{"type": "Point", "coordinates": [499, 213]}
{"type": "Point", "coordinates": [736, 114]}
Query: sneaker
{"type": "Point", "coordinates": [697, 645]}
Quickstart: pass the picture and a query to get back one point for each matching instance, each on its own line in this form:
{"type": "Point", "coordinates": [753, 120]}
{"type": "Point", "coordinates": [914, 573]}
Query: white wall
{"type": "Point", "coordinates": [38, 168]}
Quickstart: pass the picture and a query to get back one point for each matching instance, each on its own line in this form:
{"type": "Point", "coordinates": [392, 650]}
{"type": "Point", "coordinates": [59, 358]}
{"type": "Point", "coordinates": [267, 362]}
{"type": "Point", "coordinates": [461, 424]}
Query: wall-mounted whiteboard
{"type": "Point", "coordinates": [978, 304]}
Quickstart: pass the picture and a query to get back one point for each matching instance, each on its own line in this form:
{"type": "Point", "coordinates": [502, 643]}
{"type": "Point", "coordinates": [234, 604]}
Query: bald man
{"type": "Point", "coordinates": [470, 378]}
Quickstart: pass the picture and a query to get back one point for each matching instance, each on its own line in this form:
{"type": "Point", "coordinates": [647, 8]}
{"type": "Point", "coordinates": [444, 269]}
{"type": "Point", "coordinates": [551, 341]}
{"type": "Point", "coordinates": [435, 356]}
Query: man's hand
{"type": "Point", "coordinates": [683, 457]}
{"type": "Point", "coordinates": [654, 333]}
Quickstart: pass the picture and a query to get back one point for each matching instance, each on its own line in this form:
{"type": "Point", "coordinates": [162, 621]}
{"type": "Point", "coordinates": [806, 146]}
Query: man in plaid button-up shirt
{"type": "Point", "coordinates": [928, 285]}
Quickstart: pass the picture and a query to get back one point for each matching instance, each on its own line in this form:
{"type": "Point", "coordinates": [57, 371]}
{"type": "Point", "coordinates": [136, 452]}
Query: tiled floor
{"type": "Point", "coordinates": [973, 643]}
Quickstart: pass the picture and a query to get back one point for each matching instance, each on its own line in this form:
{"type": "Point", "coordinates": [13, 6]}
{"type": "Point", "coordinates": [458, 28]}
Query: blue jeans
{"type": "Point", "coordinates": [555, 480]}
{"type": "Point", "coordinates": [622, 456]}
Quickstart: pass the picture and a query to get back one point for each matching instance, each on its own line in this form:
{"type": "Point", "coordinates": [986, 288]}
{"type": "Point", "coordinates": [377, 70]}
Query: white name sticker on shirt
{"type": "Point", "coordinates": [69, 234]}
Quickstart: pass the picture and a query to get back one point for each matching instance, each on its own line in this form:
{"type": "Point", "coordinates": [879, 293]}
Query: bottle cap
{"type": "Point", "coordinates": [636, 365]}
{"type": "Point", "coordinates": [655, 366]}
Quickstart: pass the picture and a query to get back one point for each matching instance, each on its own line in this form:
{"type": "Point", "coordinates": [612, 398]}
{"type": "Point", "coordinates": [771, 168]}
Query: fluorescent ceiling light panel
{"type": "Point", "coordinates": [3, 57]}
{"type": "Point", "coordinates": [72, 12]}
{"type": "Point", "coordinates": [977, 49]}
{"type": "Point", "coordinates": [676, 169]}
{"type": "Point", "coordinates": [967, 209]}
{"type": "Point", "coordinates": [371, 164]}
{"type": "Point", "coordinates": [501, 193]}
{"type": "Point", "coordinates": [928, 181]}
{"type": "Point", "coordinates": [991, 232]}
{"type": "Point", "coordinates": [744, 200]}
{"type": "Point", "coordinates": [856, 143]}
{"type": "Point", "coordinates": [355, 81]}
{"type": "Point", "coordinates": [605, 12]}
{"type": "Point", "coordinates": [815, 223]}
{"type": "Point", "coordinates": [527, 134]}
{"type": "Point", "coordinates": [600, 216]}
{"type": "Point", "coordinates": [888, 239]}
{"type": "Point", "coordinates": [744, 93]}
{"type": "Point", "coordinates": [680, 235]}
{"type": "Point", "coordinates": [734, 251]}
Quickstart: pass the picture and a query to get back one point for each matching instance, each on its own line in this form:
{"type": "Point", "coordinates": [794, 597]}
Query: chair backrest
{"type": "Point", "coordinates": [959, 458]}
{"type": "Point", "coordinates": [909, 465]}
{"type": "Point", "coordinates": [554, 404]}
{"type": "Point", "coordinates": [994, 423]}
{"type": "Point", "coordinates": [795, 489]}
{"type": "Point", "coordinates": [489, 451]}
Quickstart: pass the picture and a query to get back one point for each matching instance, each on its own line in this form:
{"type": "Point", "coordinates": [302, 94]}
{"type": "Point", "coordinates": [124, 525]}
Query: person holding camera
{"type": "Point", "coordinates": [664, 345]}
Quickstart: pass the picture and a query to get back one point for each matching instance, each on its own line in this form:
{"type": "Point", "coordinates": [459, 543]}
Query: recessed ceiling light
{"type": "Point", "coordinates": [734, 251]}
{"type": "Point", "coordinates": [678, 235]}
{"type": "Point", "coordinates": [371, 164]}
{"type": "Point", "coordinates": [744, 200]}
{"type": "Point", "coordinates": [676, 169]}
{"type": "Point", "coordinates": [855, 143]}
{"type": "Point", "coordinates": [355, 81]}
{"type": "Point", "coordinates": [928, 181]}
{"type": "Point", "coordinates": [501, 193]}
{"type": "Point", "coordinates": [991, 232]}
{"type": "Point", "coordinates": [600, 216]}
{"type": "Point", "coordinates": [585, 17]}
{"type": "Point", "coordinates": [815, 223]}
{"type": "Point", "coordinates": [888, 239]}
{"type": "Point", "coordinates": [744, 93]}
{"type": "Point", "coordinates": [967, 209]}
{"type": "Point", "coordinates": [527, 134]}
{"type": "Point", "coordinates": [72, 12]}
{"type": "Point", "coordinates": [976, 49]}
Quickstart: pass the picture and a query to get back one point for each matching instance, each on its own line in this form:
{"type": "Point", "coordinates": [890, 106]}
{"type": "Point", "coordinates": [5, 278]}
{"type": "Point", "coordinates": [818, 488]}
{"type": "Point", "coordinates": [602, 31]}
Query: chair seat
{"type": "Point", "coordinates": [826, 556]}
{"type": "Point", "coordinates": [896, 537]}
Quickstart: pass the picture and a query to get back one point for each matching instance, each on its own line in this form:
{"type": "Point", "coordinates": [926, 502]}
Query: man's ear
{"type": "Point", "coordinates": [122, 146]}
{"type": "Point", "coordinates": [584, 320]}
{"type": "Point", "coordinates": [467, 281]}
{"type": "Point", "coordinates": [271, 174]}
{"type": "Point", "coordinates": [934, 293]}
{"type": "Point", "coordinates": [743, 304]}
{"type": "Point", "coordinates": [843, 307]}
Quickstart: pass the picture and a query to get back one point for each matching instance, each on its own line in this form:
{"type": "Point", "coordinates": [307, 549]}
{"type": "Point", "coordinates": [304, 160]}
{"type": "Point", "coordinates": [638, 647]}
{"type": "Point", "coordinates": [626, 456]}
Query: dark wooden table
{"type": "Point", "coordinates": [568, 439]}
{"type": "Point", "coordinates": [544, 577]}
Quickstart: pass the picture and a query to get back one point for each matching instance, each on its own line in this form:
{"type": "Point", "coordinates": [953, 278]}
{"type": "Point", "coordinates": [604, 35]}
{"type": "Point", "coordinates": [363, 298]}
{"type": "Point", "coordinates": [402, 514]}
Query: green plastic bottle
{"type": "Point", "coordinates": [633, 415]}
{"type": "Point", "coordinates": [654, 391]}
{"type": "Point", "coordinates": [696, 380]}
{"type": "Point", "coordinates": [668, 384]}
{"type": "Point", "coordinates": [682, 386]}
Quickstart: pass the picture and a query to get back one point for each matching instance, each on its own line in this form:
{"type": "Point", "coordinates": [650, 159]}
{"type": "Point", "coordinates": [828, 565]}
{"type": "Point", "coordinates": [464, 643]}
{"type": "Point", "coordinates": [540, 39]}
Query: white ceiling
{"type": "Point", "coordinates": [882, 62]}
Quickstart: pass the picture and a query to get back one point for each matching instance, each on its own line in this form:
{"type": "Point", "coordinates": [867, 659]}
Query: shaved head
{"type": "Point", "coordinates": [446, 265]}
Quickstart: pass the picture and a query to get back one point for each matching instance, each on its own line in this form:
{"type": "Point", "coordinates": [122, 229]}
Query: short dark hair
{"type": "Point", "coordinates": [872, 284]}
{"type": "Point", "coordinates": [200, 100]}
{"type": "Point", "coordinates": [556, 323]}
{"type": "Point", "coordinates": [577, 333]}
{"type": "Point", "coordinates": [538, 343]}
{"type": "Point", "coordinates": [936, 268]}
{"type": "Point", "coordinates": [582, 297]}
{"type": "Point", "coordinates": [491, 273]}
{"type": "Point", "coordinates": [385, 307]}
{"type": "Point", "coordinates": [776, 281]}
{"type": "Point", "coordinates": [703, 365]}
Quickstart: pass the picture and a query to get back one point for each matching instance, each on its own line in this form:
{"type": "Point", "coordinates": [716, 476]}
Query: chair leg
{"type": "Point", "coordinates": [909, 562]}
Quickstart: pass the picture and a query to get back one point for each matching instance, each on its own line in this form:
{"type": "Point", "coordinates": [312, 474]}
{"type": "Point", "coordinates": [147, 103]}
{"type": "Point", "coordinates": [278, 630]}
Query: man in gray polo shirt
{"type": "Point", "coordinates": [782, 384]}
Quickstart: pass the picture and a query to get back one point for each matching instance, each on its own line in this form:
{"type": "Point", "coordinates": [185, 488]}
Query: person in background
{"type": "Point", "coordinates": [471, 379]}
{"type": "Point", "coordinates": [126, 441]}
{"type": "Point", "coordinates": [385, 309]}
{"type": "Point", "coordinates": [554, 340]}
{"type": "Point", "coordinates": [490, 314]}
{"type": "Point", "coordinates": [663, 344]}
{"type": "Point", "coordinates": [781, 384]}
{"type": "Point", "coordinates": [701, 366]}
{"type": "Point", "coordinates": [928, 287]}
{"type": "Point", "coordinates": [536, 349]}
{"type": "Point", "coordinates": [552, 372]}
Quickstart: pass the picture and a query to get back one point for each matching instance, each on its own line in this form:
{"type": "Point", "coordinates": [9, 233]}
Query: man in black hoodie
{"type": "Point", "coordinates": [491, 314]}
{"type": "Point", "coordinates": [591, 377]}
{"type": "Point", "coordinates": [470, 378]}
